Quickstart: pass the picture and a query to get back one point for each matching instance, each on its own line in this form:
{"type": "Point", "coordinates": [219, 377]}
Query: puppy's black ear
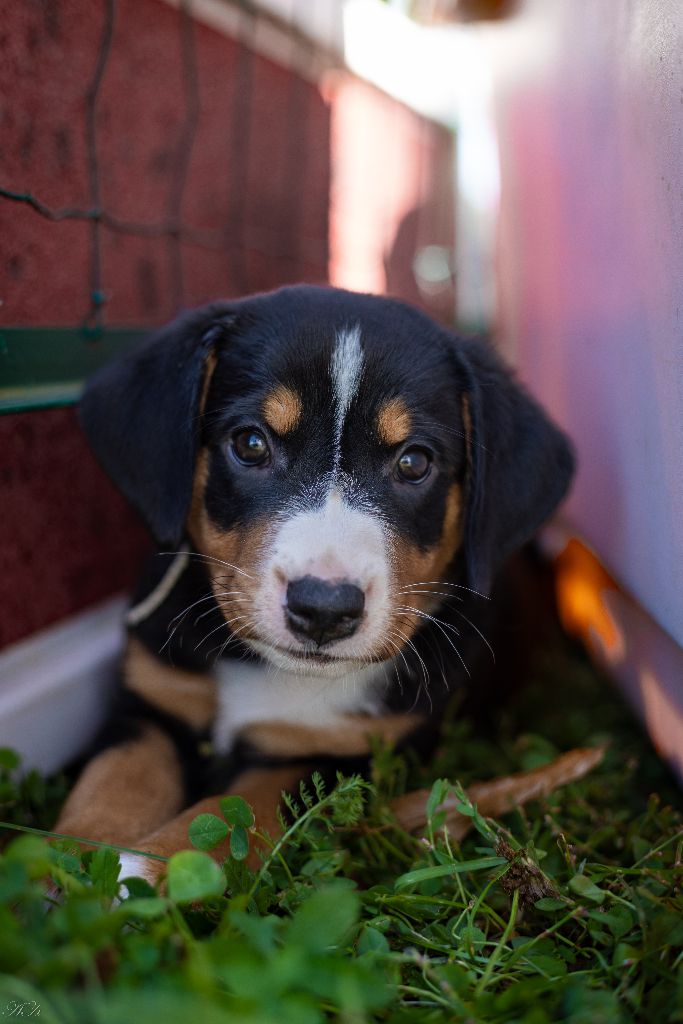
{"type": "Point", "coordinates": [519, 464]}
{"type": "Point", "coordinates": [140, 414]}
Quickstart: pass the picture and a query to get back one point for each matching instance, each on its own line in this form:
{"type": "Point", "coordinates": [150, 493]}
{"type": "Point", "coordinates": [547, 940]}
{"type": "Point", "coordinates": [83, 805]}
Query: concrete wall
{"type": "Point", "coordinates": [589, 100]}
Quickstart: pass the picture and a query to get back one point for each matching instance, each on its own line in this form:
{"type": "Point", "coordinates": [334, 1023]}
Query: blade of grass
{"type": "Point", "coordinates": [46, 834]}
{"type": "Point", "coordinates": [497, 950]}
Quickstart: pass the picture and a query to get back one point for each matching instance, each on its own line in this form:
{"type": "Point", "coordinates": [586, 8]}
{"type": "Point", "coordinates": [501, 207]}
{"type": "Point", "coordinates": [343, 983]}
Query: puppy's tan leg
{"type": "Point", "coordinates": [260, 787]}
{"type": "Point", "coordinates": [134, 786]}
{"type": "Point", "coordinates": [126, 790]}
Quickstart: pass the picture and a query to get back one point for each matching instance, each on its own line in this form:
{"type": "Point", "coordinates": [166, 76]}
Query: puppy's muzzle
{"type": "Point", "coordinates": [323, 611]}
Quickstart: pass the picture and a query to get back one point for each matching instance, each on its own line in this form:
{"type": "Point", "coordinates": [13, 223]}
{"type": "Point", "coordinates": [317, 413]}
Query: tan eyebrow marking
{"type": "Point", "coordinates": [282, 409]}
{"type": "Point", "coordinates": [394, 422]}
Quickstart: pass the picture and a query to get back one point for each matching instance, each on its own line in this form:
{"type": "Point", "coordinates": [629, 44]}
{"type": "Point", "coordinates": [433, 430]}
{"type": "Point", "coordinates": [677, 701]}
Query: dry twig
{"type": "Point", "coordinates": [498, 796]}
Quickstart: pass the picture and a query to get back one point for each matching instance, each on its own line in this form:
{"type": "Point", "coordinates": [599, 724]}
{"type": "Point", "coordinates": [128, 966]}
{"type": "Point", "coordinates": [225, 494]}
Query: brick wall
{"type": "Point", "coordinates": [192, 129]}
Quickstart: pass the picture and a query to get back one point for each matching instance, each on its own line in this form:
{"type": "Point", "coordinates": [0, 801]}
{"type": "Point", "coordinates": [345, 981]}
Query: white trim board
{"type": "Point", "coordinates": [56, 686]}
{"type": "Point", "coordinates": [279, 30]}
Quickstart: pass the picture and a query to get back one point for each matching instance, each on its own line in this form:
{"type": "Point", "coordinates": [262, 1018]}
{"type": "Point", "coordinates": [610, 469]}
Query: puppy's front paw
{"type": "Point", "coordinates": [136, 865]}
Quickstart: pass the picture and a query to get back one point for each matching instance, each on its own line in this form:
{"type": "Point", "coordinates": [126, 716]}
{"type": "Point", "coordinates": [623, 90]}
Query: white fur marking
{"type": "Point", "coordinates": [346, 369]}
{"type": "Point", "coordinates": [134, 865]}
{"type": "Point", "coordinates": [332, 542]}
{"type": "Point", "coordinates": [250, 693]}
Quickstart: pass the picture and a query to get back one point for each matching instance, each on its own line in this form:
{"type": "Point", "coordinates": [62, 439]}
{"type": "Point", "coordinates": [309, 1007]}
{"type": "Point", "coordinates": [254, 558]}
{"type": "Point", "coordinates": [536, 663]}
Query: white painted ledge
{"type": "Point", "coordinates": [56, 686]}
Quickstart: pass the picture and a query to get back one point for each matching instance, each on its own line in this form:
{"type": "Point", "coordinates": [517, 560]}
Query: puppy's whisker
{"type": "Point", "coordinates": [415, 589]}
{"type": "Point", "coordinates": [432, 618]}
{"type": "Point", "coordinates": [477, 631]}
{"type": "Point", "coordinates": [189, 608]}
{"type": "Point", "coordinates": [211, 611]}
{"type": "Point", "coordinates": [400, 652]}
{"type": "Point", "coordinates": [273, 670]}
{"type": "Point", "coordinates": [179, 619]}
{"type": "Point", "coordinates": [425, 674]}
{"type": "Point", "coordinates": [409, 674]}
{"type": "Point", "coordinates": [224, 579]}
{"type": "Point", "coordinates": [437, 649]}
{"type": "Point", "coordinates": [236, 597]}
{"type": "Point", "coordinates": [221, 625]}
{"type": "Point", "coordinates": [210, 558]}
{"type": "Point", "coordinates": [442, 626]}
{"type": "Point", "coordinates": [461, 433]}
{"type": "Point", "coordinates": [397, 674]}
{"type": "Point", "coordinates": [442, 583]}
{"type": "Point", "coordinates": [413, 648]}
{"type": "Point", "coordinates": [233, 638]}
{"type": "Point", "coordinates": [438, 593]}
{"type": "Point", "coordinates": [219, 608]}
{"type": "Point", "coordinates": [201, 600]}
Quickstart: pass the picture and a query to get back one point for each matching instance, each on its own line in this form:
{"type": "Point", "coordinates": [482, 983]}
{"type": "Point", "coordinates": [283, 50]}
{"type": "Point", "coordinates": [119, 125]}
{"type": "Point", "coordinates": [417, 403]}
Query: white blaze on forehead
{"type": "Point", "coordinates": [346, 369]}
{"type": "Point", "coordinates": [332, 535]}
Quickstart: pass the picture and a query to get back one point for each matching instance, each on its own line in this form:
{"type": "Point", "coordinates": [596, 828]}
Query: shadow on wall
{"type": "Point", "coordinates": [420, 266]}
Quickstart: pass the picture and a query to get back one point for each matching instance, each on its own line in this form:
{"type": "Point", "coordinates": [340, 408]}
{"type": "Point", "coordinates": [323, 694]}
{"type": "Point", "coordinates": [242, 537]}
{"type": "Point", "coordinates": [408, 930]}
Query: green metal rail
{"type": "Point", "coordinates": [44, 367]}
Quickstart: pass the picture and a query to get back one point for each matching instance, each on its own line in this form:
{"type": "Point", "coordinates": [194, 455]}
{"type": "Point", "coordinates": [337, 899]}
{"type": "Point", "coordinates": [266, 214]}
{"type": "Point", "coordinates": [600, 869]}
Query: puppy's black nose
{"type": "Point", "coordinates": [322, 611]}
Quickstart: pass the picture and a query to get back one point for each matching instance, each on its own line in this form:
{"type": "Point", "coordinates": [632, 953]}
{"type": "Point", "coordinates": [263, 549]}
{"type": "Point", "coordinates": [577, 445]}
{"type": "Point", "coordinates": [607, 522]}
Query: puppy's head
{"type": "Point", "coordinates": [336, 457]}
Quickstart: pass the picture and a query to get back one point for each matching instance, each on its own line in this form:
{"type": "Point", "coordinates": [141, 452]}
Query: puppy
{"type": "Point", "coordinates": [334, 480]}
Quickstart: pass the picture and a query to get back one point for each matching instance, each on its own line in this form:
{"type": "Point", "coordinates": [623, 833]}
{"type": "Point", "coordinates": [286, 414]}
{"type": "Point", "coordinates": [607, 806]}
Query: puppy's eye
{"type": "Point", "coordinates": [414, 465]}
{"type": "Point", "coordinates": [250, 448]}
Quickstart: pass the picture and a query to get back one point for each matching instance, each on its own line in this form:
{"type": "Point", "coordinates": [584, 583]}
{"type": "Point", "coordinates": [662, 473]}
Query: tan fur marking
{"type": "Point", "coordinates": [283, 739]}
{"type": "Point", "coordinates": [125, 790]}
{"type": "Point", "coordinates": [201, 478]}
{"type": "Point", "coordinates": [415, 566]}
{"type": "Point", "coordinates": [394, 422]}
{"type": "Point", "coordinates": [238, 547]}
{"type": "Point", "coordinates": [209, 367]}
{"type": "Point", "coordinates": [282, 410]}
{"type": "Point", "coordinates": [187, 695]}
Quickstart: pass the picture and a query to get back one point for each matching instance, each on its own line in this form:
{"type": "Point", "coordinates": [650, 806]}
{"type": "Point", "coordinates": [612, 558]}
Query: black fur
{"type": "Point", "coordinates": [128, 718]}
{"type": "Point", "coordinates": [140, 414]}
{"type": "Point", "coordinates": [521, 465]}
{"type": "Point", "coordinates": [142, 417]}
{"type": "Point", "coordinates": [287, 338]}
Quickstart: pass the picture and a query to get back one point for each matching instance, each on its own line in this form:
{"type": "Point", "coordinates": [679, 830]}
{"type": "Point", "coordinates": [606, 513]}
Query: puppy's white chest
{"type": "Point", "coordinates": [250, 693]}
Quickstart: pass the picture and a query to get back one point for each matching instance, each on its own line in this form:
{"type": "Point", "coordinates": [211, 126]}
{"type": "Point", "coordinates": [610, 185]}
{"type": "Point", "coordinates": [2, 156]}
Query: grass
{"type": "Point", "coordinates": [567, 910]}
